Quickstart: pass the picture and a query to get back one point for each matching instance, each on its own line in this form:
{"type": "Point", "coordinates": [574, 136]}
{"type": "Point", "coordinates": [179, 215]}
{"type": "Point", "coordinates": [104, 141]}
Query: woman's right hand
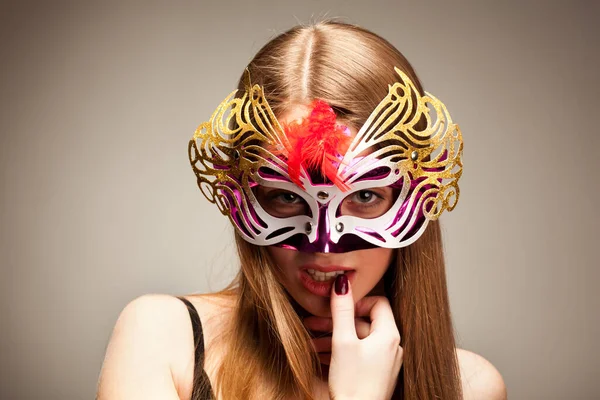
{"type": "Point", "coordinates": [362, 368]}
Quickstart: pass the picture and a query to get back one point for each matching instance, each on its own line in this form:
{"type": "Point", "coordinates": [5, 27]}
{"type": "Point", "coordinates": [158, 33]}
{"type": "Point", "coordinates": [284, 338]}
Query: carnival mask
{"type": "Point", "coordinates": [408, 144]}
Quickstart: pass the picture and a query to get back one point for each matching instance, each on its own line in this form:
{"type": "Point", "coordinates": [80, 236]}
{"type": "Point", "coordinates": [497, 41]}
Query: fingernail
{"type": "Point", "coordinates": [341, 284]}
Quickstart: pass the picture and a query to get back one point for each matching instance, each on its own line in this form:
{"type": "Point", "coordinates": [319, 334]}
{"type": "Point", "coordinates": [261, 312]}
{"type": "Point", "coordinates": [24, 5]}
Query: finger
{"type": "Point", "coordinates": [342, 310]}
{"type": "Point", "coordinates": [379, 311]}
{"type": "Point", "coordinates": [363, 328]}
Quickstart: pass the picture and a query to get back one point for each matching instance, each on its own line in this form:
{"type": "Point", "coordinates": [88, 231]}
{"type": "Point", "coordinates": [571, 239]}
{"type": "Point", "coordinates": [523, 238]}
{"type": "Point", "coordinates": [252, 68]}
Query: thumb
{"type": "Point", "coordinates": [342, 310]}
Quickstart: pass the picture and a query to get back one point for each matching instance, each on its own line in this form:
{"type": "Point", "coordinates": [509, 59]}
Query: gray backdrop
{"type": "Point", "coordinates": [99, 204]}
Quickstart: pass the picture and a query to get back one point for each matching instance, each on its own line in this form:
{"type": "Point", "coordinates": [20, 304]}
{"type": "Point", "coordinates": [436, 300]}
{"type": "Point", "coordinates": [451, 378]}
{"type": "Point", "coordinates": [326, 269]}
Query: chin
{"type": "Point", "coordinates": [313, 305]}
{"type": "Point", "coordinates": [319, 310]}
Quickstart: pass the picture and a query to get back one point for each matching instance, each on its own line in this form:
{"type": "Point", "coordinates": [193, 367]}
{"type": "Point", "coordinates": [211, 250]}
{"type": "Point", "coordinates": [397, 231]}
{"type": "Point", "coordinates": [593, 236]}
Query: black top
{"type": "Point", "coordinates": [199, 354]}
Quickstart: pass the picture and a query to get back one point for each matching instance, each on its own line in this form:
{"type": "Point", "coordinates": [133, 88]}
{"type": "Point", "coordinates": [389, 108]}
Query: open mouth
{"type": "Point", "coordinates": [323, 276]}
{"type": "Point", "coordinates": [320, 282]}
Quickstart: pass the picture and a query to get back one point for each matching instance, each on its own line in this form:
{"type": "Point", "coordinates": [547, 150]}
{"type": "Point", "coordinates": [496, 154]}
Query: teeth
{"type": "Point", "coordinates": [322, 276]}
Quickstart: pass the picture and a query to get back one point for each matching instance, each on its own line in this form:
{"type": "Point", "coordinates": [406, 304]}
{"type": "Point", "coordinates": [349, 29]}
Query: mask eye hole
{"type": "Point", "coordinates": [375, 174]}
{"type": "Point", "coordinates": [368, 203]}
{"type": "Point", "coordinates": [270, 174]}
{"type": "Point", "coordinates": [281, 203]}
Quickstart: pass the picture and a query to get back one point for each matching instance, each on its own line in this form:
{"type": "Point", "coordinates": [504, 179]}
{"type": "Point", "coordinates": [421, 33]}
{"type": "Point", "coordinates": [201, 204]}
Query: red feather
{"type": "Point", "coordinates": [317, 144]}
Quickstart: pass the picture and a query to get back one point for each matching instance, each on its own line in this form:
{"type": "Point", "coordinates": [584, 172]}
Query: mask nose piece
{"type": "Point", "coordinates": [323, 242]}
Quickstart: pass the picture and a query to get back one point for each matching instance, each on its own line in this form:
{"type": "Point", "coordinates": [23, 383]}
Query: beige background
{"type": "Point", "coordinates": [99, 205]}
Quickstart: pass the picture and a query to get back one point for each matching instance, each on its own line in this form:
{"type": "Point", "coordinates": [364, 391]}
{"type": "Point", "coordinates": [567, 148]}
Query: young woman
{"type": "Point", "coordinates": [333, 165]}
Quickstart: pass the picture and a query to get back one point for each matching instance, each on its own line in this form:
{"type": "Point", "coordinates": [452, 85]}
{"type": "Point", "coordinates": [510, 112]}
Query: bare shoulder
{"type": "Point", "coordinates": [148, 339]}
{"type": "Point", "coordinates": [480, 379]}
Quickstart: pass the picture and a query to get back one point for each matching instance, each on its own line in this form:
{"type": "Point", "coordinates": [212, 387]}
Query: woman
{"type": "Point", "coordinates": [333, 165]}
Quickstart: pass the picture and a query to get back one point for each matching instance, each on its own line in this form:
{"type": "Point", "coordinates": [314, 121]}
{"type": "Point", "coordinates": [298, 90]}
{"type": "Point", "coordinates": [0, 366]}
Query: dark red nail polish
{"type": "Point", "coordinates": [341, 284]}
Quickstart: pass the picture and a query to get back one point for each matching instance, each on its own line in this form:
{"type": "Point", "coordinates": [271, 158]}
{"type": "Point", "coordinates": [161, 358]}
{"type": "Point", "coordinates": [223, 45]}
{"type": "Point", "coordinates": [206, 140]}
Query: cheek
{"type": "Point", "coordinates": [286, 264]}
{"type": "Point", "coordinates": [378, 259]}
{"type": "Point", "coordinates": [281, 257]}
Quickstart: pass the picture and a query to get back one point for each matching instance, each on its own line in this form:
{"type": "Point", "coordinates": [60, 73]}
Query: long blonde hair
{"type": "Point", "coordinates": [267, 352]}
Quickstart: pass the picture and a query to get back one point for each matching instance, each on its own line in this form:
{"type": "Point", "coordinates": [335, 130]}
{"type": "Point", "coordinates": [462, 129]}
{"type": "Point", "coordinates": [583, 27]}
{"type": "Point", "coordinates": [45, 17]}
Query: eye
{"type": "Point", "coordinates": [287, 197]}
{"type": "Point", "coordinates": [367, 204]}
{"type": "Point", "coordinates": [281, 203]}
{"type": "Point", "coordinates": [364, 196]}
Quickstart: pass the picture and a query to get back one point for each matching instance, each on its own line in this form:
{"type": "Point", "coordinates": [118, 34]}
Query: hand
{"type": "Point", "coordinates": [364, 367]}
{"type": "Point", "coordinates": [322, 342]}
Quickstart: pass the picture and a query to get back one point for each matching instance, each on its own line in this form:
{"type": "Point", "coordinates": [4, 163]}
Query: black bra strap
{"type": "Point", "coordinates": [199, 353]}
{"type": "Point", "coordinates": [198, 334]}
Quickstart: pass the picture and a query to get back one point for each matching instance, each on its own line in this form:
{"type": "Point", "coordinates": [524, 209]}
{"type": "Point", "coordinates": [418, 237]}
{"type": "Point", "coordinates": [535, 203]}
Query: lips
{"type": "Point", "coordinates": [320, 288]}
